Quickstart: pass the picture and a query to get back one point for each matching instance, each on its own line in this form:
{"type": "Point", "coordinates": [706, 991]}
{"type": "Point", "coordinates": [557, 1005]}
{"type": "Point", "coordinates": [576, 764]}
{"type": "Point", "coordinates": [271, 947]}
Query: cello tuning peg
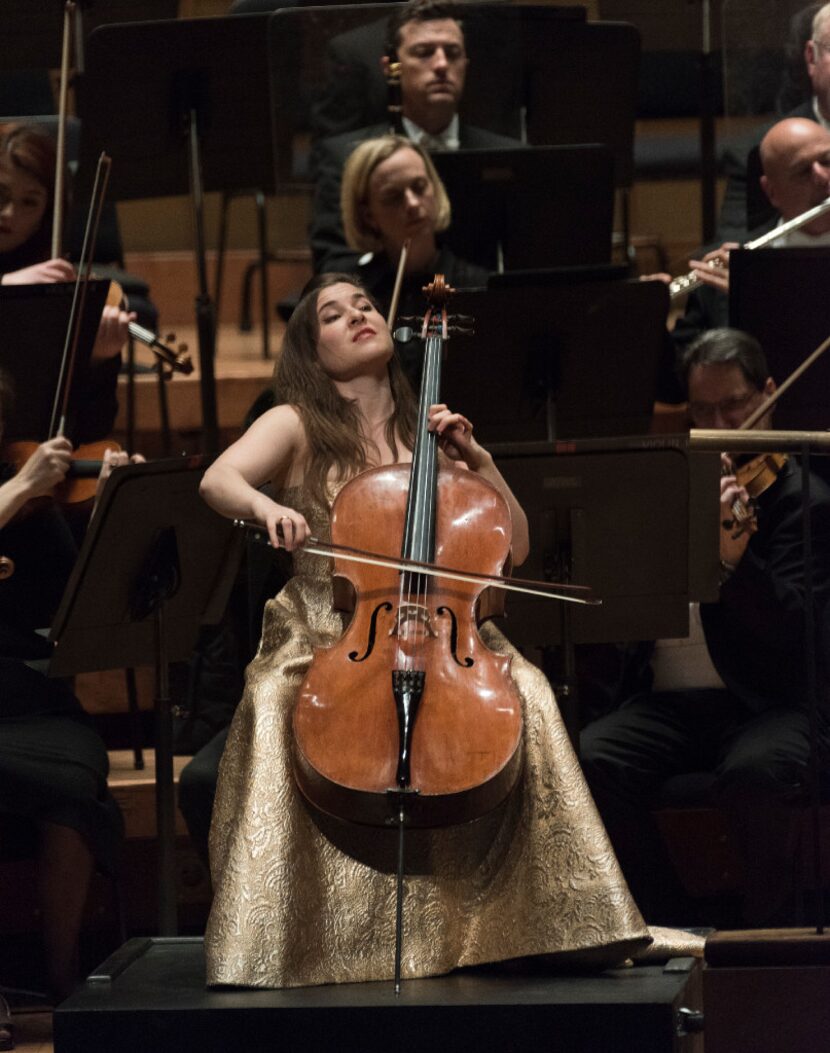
{"type": "Point", "coordinates": [403, 334]}
{"type": "Point", "coordinates": [170, 338]}
{"type": "Point", "coordinates": [462, 319]}
{"type": "Point", "coordinates": [462, 330]}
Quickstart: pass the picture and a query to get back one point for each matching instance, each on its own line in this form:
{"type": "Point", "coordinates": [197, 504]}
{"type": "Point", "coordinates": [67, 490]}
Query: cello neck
{"type": "Point", "coordinates": [419, 531]}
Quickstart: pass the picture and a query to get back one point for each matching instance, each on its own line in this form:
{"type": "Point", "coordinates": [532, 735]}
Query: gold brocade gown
{"type": "Point", "coordinates": [295, 905]}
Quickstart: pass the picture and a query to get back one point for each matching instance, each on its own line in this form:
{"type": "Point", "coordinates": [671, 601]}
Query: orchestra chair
{"type": "Point", "coordinates": [19, 910]}
{"type": "Point", "coordinates": [700, 845]}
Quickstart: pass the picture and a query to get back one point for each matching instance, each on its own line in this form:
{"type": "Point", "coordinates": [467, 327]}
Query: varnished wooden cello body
{"type": "Point", "coordinates": [410, 703]}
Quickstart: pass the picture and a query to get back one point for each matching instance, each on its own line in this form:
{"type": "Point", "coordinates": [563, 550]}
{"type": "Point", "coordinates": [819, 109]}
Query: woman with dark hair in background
{"type": "Point", "coordinates": [27, 184]}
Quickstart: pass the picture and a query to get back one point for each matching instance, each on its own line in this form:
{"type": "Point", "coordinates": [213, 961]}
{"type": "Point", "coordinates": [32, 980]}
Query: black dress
{"type": "Point", "coordinates": [53, 765]}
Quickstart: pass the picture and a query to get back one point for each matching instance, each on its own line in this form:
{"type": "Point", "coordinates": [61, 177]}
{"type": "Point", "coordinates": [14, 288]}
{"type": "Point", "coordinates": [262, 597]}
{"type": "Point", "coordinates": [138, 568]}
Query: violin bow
{"type": "Point", "coordinates": [57, 425]}
{"type": "Point", "coordinates": [770, 401]}
{"type": "Point", "coordinates": [396, 291]}
{"type": "Point", "coordinates": [60, 150]}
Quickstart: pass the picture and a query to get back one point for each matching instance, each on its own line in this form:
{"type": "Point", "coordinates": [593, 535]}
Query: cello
{"type": "Point", "coordinates": [410, 718]}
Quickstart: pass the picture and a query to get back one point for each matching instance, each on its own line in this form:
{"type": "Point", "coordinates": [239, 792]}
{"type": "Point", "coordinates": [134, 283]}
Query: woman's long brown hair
{"type": "Point", "coordinates": [332, 422]}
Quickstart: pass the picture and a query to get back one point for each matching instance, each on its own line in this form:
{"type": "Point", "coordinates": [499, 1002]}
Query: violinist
{"type": "Point", "coordinates": [305, 899]}
{"type": "Point", "coordinates": [730, 700]}
{"type": "Point", "coordinates": [27, 181]}
{"type": "Point", "coordinates": [392, 196]}
{"type": "Point", "coordinates": [53, 765]}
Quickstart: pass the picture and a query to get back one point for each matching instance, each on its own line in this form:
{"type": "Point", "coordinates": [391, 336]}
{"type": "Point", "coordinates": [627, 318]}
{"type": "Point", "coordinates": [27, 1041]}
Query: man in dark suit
{"type": "Point", "coordinates": [744, 206]}
{"type": "Point", "coordinates": [730, 700]}
{"type": "Point", "coordinates": [429, 45]}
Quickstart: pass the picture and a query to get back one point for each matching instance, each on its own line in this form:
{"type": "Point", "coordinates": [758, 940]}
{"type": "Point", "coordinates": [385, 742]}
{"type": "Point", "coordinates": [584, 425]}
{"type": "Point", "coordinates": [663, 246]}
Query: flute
{"type": "Point", "coordinates": [687, 282]}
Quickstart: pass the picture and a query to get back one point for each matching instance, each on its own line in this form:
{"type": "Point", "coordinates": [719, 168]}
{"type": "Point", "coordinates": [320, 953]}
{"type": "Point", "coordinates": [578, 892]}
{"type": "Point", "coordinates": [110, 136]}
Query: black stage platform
{"type": "Point", "coordinates": [151, 995]}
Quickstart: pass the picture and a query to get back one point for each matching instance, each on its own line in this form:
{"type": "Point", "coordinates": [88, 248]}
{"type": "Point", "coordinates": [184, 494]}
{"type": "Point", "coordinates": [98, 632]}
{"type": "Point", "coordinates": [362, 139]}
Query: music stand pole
{"type": "Point", "coordinates": [708, 157]}
{"type": "Point", "coordinates": [205, 316]}
{"type": "Point", "coordinates": [158, 584]}
{"type": "Point", "coordinates": [814, 768]}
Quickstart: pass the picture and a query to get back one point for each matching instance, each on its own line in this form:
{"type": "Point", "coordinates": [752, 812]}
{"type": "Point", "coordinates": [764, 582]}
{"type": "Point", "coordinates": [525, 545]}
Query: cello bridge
{"type": "Point", "coordinates": [412, 618]}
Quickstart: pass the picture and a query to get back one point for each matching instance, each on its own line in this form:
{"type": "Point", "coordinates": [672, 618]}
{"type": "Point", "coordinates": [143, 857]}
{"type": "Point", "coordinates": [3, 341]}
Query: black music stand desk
{"type": "Point", "coordinates": [635, 519]}
{"type": "Point", "coordinates": [33, 325]}
{"type": "Point", "coordinates": [777, 295]}
{"type": "Point", "coordinates": [542, 206]}
{"type": "Point", "coordinates": [155, 565]}
{"type": "Point", "coordinates": [198, 93]}
{"type": "Point", "coordinates": [557, 354]}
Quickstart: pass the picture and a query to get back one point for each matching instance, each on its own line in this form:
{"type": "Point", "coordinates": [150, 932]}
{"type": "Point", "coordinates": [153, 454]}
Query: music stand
{"type": "Point", "coordinates": [774, 294]}
{"type": "Point", "coordinates": [33, 29]}
{"type": "Point", "coordinates": [155, 564]}
{"type": "Point", "coordinates": [627, 518]}
{"type": "Point", "coordinates": [557, 357]}
{"type": "Point", "coordinates": [33, 324]}
{"type": "Point", "coordinates": [530, 208]}
{"type": "Point", "coordinates": [198, 91]}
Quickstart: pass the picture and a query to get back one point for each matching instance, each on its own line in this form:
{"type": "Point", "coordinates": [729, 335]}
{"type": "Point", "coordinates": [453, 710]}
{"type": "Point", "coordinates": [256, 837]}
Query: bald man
{"type": "Point", "coordinates": [796, 176]}
{"type": "Point", "coordinates": [795, 157]}
{"type": "Point", "coordinates": [744, 207]}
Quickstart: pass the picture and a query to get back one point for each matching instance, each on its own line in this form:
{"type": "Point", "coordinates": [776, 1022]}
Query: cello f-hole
{"type": "Point", "coordinates": [468, 662]}
{"type": "Point", "coordinates": [370, 646]}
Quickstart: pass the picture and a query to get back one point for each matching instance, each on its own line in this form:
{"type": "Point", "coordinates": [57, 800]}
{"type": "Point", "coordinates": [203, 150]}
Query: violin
{"type": "Point", "coordinates": [410, 705]}
{"type": "Point", "coordinates": [176, 360]}
{"type": "Point", "coordinates": [81, 482]}
{"type": "Point", "coordinates": [755, 476]}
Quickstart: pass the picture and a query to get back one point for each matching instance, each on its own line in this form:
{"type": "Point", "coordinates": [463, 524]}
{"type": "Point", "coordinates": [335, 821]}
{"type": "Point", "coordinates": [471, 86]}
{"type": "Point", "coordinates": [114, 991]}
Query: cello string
{"type": "Point", "coordinates": [406, 610]}
{"type": "Point", "coordinates": [427, 481]}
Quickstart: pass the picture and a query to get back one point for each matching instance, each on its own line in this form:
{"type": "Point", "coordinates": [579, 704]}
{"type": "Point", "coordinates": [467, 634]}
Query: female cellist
{"type": "Point", "coordinates": [305, 899]}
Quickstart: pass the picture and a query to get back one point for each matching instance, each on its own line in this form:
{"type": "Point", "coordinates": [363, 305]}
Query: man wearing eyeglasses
{"type": "Point", "coordinates": [730, 701]}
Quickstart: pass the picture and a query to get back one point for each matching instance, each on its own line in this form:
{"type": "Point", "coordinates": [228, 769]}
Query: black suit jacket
{"type": "Point", "coordinates": [329, 250]}
{"type": "Point", "coordinates": [755, 633]}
